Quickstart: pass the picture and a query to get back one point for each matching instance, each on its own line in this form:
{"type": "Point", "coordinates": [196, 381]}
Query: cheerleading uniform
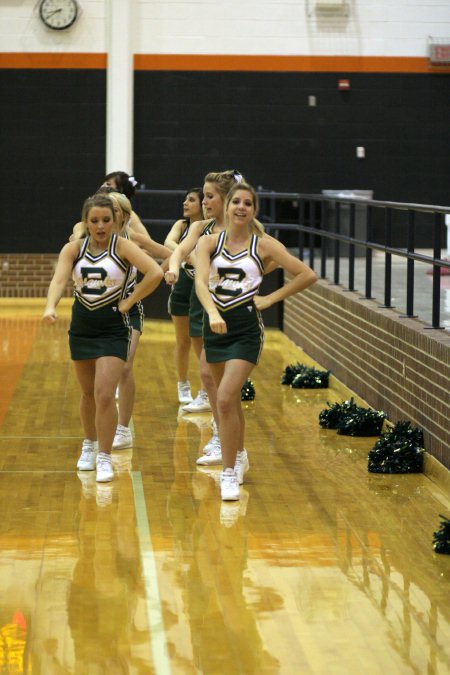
{"type": "Point", "coordinates": [136, 313]}
{"type": "Point", "coordinates": [234, 280]}
{"type": "Point", "coordinates": [179, 299]}
{"type": "Point", "coordinates": [97, 328]}
{"type": "Point", "coordinates": [195, 306]}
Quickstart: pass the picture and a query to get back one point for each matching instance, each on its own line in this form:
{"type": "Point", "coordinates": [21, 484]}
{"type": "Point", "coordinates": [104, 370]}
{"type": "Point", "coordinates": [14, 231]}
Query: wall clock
{"type": "Point", "coordinates": [58, 14]}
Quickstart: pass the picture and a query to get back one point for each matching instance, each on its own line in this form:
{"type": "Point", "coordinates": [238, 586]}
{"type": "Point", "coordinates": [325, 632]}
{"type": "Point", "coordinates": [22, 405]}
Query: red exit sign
{"type": "Point", "coordinates": [440, 54]}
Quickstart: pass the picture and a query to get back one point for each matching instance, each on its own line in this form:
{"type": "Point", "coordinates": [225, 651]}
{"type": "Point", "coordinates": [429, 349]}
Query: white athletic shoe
{"type": "Point", "coordinates": [229, 485]}
{"type": "Point", "coordinates": [199, 404]}
{"type": "Point", "coordinates": [86, 461]}
{"type": "Point", "coordinates": [184, 392]}
{"type": "Point", "coordinates": [105, 471]}
{"type": "Point", "coordinates": [242, 465]}
{"type": "Point", "coordinates": [123, 438]}
{"type": "Point", "coordinates": [212, 453]}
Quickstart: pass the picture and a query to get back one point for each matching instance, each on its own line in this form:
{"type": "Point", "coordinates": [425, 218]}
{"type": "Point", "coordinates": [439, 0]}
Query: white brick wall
{"type": "Point", "coordinates": [277, 27]}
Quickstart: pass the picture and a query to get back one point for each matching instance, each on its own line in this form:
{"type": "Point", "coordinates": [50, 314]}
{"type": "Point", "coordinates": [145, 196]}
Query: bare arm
{"type": "Point", "coordinates": [183, 250]}
{"type": "Point", "coordinates": [78, 232]}
{"type": "Point", "coordinates": [58, 284]}
{"type": "Point", "coordinates": [205, 247]}
{"type": "Point", "coordinates": [150, 245]}
{"type": "Point", "coordinates": [137, 225]}
{"type": "Point", "coordinates": [173, 238]}
{"type": "Point", "coordinates": [152, 273]}
{"type": "Point", "coordinates": [303, 276]}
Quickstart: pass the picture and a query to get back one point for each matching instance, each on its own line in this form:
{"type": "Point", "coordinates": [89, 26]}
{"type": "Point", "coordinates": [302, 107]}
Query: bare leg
{"type": "Point", "coordinates": [182, 346]}
{"type": "Point", "coordinates": [108, 370]}
{"type": "Point", "coordinates": [209, 384]}
{"type": "Point", "coordinates": [197, 343]}
{"type": "Point", "coordinates": [85, 372]}
{"type": "Point", "coordinates": [127, 386]}
{"type": "Point", "coordinates": [229, 378]}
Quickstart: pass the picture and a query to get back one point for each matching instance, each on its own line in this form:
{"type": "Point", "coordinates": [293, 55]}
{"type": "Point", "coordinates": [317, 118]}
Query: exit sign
{"type": "Point", "coordinates": [440, 54]}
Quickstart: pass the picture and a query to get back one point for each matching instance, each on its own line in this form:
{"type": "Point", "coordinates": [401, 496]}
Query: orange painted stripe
{"type": "Point", "coordinates": [333, 64]}
{"type": "Point", "coordinates": [28, 60]}
{"type": "Point", "coordinates": [227, 62]}
{"type": "Point", "coordinates": [18, 338]}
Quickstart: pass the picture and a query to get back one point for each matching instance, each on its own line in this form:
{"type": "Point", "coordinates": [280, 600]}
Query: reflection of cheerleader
{"type": "Point", "coordinates": [218, 610]}
{"type": "Point", "coordinates": [106, 585]}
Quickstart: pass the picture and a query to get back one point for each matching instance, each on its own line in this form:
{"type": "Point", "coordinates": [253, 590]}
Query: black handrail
{"type": "Point", "coordinates": [312, 208]}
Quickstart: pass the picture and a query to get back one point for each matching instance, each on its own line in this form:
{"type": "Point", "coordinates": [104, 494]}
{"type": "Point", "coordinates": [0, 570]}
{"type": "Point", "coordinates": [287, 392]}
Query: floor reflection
{"type": "Point", "coordinates": [211, 549]}
{"type": "Point", "coordinates": [106, 597]}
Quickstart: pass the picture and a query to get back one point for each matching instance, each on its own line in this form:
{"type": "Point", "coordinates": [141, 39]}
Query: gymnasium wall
{"type": "Point", "coordinates": [222, 85]}
{"type": "Point", "coordinates": [393, 363]}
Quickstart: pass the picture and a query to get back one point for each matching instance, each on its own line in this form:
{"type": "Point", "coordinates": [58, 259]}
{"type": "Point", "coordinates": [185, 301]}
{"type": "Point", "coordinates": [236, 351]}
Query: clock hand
{"type": "Point", "coordinates": [55, 11]}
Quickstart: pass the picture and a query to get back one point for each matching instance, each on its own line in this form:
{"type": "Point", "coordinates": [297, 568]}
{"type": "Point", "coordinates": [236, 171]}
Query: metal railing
{"type": "Point", "coordinates": [318, 224]}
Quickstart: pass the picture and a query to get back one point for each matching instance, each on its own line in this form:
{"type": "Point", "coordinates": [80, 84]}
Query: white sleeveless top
{"type": "Point", "coordinates": [100, 279]}
{"type": "Point", "coordinates": [234, 278]}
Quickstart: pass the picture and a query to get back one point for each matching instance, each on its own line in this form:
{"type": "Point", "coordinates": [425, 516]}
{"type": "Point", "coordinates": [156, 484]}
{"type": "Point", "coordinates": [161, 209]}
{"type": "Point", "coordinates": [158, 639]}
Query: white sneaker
{"type": "Point", "coordinates": [229, 485]}
{"type": "Point", "coordinates": [123, 438]}
{"type": "Point", "coordinates": [242, 465]}
{"type": "Point", "coordinates": [184, 392]}
{"type": "Point", "coordinates": [86, 461]}
{"type": "Point", "coordinates": [105, 471]}
{"type": "Point", "coordinates": [212, 453]}
{"type": "Point", "coordinates": [199, 404]}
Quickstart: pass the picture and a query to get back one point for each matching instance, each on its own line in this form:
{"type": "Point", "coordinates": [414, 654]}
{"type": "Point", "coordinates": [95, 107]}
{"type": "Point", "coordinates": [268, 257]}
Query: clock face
{"type": "Point", "coordinates": [58, 14]}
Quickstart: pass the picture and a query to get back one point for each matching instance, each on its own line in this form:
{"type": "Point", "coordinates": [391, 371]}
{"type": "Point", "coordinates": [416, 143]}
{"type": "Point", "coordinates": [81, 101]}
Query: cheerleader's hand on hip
{"type": "Point", "coordinates": [171, 278]}
{"type": "Point", "coordinates": [124, 306]}
{"type": "Point", "coordinates": [262, 302]}
{"type": "Point", "coordinates": [216, 323]}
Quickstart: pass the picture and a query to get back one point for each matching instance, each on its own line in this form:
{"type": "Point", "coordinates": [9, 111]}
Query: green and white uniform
{"type": "Point", "coordinates": [179, 298]}
{"type": "Point", "coordinates": [97, 327]}
{"type": "Point", "coordinates": [136, 313]}
{"type": "Point", "coordinates": [196, 310]}
{"type": "Point", "coordinates": [234, 280]}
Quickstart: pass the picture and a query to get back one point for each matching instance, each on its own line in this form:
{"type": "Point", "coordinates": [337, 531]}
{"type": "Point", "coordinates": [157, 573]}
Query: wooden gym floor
{"type": "Point", "coordinates": [321, 568]}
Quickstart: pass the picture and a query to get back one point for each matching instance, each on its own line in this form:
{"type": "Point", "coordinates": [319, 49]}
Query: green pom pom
{"type": "Point", "coordinates": [311, 378]}
{"type": "Point", "coordinates": [351, 420]}
{"type": "Point", "coordinates": [399, 450]}
{"type": "Point", "coordinates": [300, 376]}
{"type": "Point", "coordinates": [329, 419]}
{"type": "Point", "coordinates": [291, 371]}
{"type": "Point", "coordinates": [361, 422]}
{"type": "Point", "coordinates": [248, 391]}
{"type": "Point", "coordinates": [441, 538]}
